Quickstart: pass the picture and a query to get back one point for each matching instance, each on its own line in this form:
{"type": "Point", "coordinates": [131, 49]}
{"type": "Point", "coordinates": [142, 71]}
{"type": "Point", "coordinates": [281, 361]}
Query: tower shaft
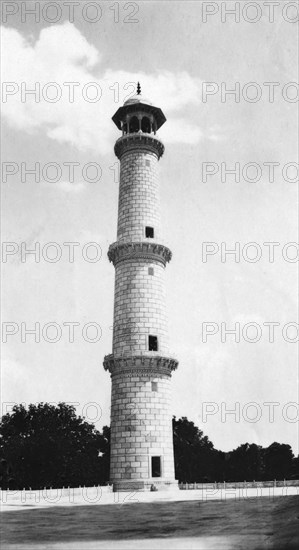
{"type": "Point", "coordinates": [140, 365]}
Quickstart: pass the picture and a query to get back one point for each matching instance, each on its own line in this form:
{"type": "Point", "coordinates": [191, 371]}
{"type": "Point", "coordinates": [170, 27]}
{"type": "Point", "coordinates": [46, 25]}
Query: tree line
{"type": "Point", "coordinates": [50, 446]}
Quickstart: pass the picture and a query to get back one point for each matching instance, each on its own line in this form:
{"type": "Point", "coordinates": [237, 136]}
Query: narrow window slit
{"type": "Point", "coordinates": [152, 343]}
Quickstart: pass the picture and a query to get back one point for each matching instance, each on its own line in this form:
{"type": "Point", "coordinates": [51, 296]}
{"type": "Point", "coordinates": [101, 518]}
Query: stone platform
{"type": "Point", "coordinates": [147, 485]}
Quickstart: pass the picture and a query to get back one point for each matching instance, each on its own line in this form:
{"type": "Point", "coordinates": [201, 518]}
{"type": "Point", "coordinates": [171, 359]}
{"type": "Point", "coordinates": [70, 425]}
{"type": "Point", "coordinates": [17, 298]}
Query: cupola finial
{"type": "Point", "coordinates": [138, 88]}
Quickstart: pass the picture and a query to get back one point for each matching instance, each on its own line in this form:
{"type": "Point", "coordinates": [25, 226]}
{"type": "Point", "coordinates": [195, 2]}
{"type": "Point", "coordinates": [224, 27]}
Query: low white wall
{"type": "Point", "coordinates": [82, 496]}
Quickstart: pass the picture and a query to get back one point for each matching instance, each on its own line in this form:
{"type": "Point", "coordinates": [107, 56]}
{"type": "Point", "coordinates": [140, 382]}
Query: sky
{"type": "Point", "coordinates": [186, 55]}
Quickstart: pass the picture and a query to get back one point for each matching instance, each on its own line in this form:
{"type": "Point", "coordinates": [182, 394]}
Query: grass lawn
{"type": "Point", "coordinates": [248, 524]}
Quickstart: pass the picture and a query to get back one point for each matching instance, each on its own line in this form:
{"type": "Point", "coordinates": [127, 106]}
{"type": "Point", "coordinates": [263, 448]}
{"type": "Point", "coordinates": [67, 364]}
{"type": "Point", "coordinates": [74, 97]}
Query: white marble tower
{"type": "Point", "coordinates": [140, 365]}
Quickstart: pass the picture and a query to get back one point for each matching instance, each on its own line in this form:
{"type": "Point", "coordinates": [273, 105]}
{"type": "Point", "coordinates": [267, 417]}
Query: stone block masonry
{"type": "Point", "coordinates": [139, 204]}
{"type": "Point", "coordinates": [140, 425]}
{"type": "Point", "coordinates": [139, 307]}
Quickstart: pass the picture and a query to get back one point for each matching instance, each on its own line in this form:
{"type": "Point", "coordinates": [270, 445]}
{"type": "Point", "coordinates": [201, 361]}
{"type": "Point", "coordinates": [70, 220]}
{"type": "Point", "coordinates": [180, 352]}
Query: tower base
{"type": "Point", "coordinates": [153, 484]}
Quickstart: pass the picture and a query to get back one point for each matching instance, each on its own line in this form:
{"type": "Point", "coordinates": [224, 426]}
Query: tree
{"type": "Point", "coordinates": [47, 445]}
{"type": "Point", "coordinates": [245, 463]}
{"type": "Point", "coordinates": [194, 453]}
{"type": "Point", "coordinates": [278, 459]}
{"type": "Point", "coordinates": [294, 473]}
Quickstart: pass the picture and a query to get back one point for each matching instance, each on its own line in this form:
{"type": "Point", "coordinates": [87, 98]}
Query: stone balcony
{"type": "Point", "coordinates": [139, 140]}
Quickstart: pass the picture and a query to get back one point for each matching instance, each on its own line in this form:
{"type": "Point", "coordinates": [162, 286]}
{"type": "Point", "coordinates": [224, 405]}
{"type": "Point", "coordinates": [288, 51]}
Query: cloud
{"type": "Point", "coordinates": [62, 55]}
{"type": "Point", "coordinates": [215, 137]}
{"type": "Point", "coordinates": [215, 133]}
{"type": "Point", "coordinates": [68, 187]}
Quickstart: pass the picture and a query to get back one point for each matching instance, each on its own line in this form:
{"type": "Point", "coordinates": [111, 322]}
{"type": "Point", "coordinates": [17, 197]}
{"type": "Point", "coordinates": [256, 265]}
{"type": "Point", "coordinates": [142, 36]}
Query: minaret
{"type": "Point", "coordinates": [140, 365]}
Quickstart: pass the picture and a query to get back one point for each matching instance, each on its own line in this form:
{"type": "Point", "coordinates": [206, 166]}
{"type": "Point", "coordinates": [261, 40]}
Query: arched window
{"type": "Point", "coordinates": [125, 128]}
{"type": "Point", "coordinates": [134, 124]}
{"type": "Point", "coordinates": [146, 125]}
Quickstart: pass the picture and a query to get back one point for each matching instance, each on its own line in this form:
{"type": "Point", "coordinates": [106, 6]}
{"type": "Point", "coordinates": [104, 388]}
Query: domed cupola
{"type": "Point", "coordinates": [138, 115]}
